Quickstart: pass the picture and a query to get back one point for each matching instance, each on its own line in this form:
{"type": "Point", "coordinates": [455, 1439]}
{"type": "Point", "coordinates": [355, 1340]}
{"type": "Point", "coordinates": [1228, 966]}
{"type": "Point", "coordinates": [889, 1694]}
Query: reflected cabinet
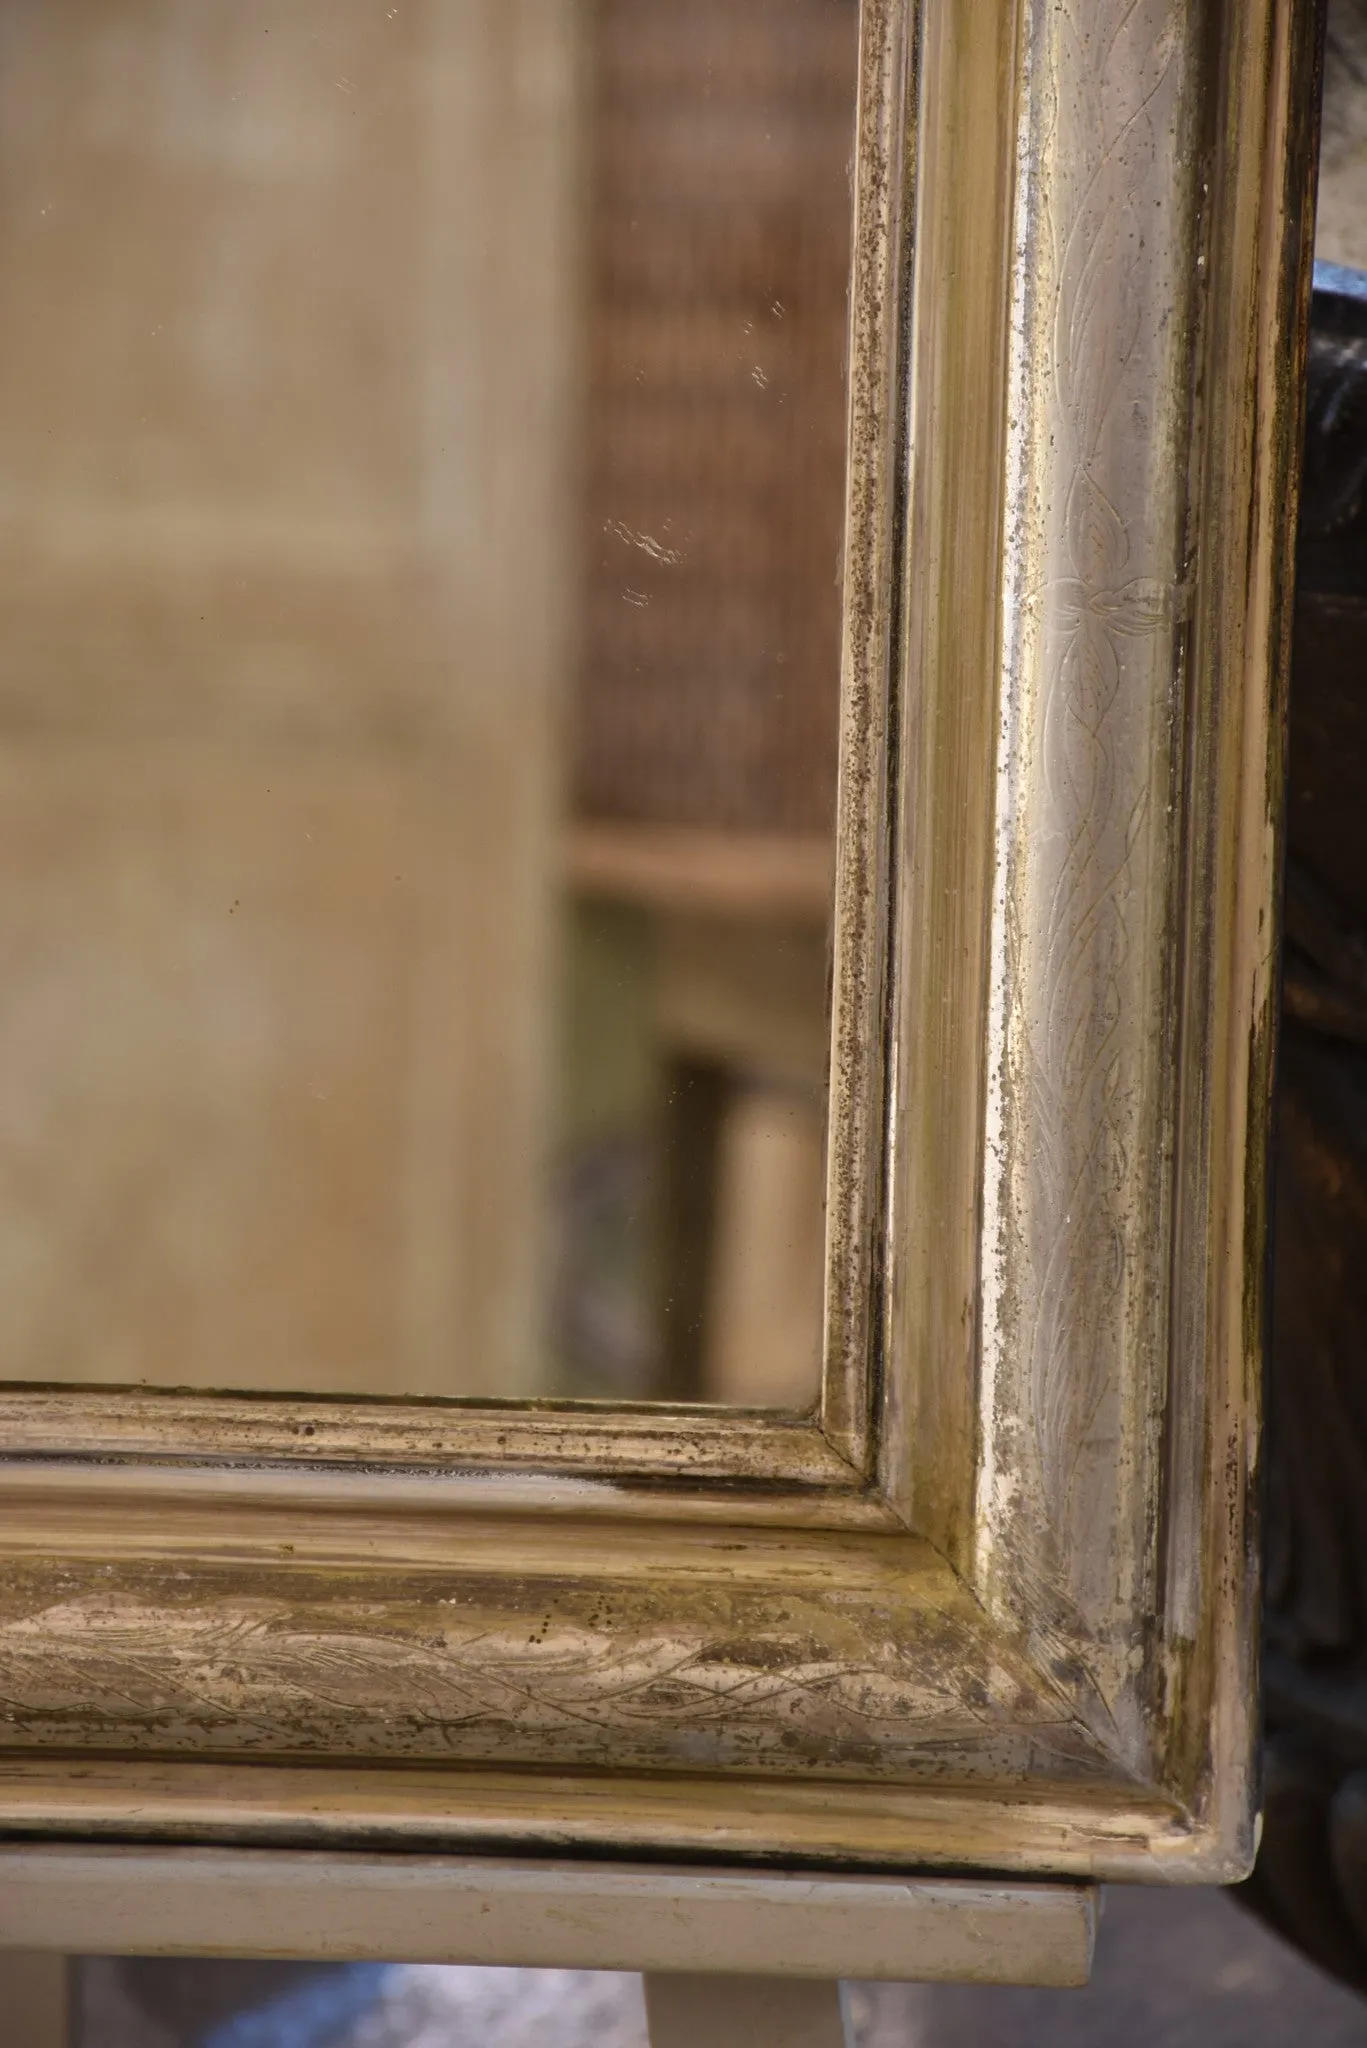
{"type": "Point", "coordinates": [641, 659]}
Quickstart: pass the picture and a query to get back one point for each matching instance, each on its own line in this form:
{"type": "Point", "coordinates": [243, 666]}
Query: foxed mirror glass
{"type": "Point", "coordinates": [422, 443]}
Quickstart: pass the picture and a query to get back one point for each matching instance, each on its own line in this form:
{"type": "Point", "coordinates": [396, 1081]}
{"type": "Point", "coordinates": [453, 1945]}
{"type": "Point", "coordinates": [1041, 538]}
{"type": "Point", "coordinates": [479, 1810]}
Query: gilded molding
{"type": "Point", "coordinates": [1081, 1067]}
{"type": "Point", "coordinates": [1079, 282]}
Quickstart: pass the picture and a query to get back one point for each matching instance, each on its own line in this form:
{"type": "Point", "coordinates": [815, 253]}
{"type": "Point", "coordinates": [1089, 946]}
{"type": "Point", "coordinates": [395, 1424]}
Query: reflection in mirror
{"type": "Point", "coordinates": [421, 459]}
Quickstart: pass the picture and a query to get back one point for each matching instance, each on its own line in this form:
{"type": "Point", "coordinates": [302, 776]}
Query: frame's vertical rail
{"type": "Point", "coordinates": [1152, 410]}
{"type": "Point", "coordinates": [1096, 597]}
{"type": "Point", "coordinates": [856, 1124]}
{"type": "Point", "coordinates": [951, 565]}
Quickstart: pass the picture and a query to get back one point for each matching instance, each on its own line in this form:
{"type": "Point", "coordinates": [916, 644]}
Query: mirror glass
{"type": "Point", "coordinates": [421, 465]}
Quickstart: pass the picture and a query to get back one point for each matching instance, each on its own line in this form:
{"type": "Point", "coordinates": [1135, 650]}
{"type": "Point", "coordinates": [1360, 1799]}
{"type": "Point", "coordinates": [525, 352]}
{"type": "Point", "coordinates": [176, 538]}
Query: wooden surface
{"type": "Point", "coordinates": [1311, 1875]}
{"type": "Point", "coordinates": [744, 874]}
{"type": "Point", "coordinates": [125, 1901]}
{"type": "Point", "coordinates": [744, 2012]}
{"type": "Point", "coordinates": [35, 1999]}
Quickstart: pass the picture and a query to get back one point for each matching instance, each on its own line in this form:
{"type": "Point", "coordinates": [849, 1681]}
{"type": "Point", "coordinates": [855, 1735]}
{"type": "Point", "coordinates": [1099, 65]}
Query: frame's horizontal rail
{"type": "Point", "coordinates": [537, 1914]}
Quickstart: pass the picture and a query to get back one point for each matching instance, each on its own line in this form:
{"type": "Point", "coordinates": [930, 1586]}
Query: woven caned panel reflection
{"type": "Point", "coordinates": [720, 253]}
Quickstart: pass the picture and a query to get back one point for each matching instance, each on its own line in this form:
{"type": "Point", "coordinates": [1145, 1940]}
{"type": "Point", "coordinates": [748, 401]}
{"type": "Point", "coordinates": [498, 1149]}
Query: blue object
{"type": "Point", "coordinates": [309, 2015]}
{"type": "Point", "coordinates": [1340, 282]}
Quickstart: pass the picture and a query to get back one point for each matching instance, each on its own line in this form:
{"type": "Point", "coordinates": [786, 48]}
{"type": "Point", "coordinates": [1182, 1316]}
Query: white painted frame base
{"type": "Point", "coordinates": [126, 1900]}
{"type": "Point", "coordinates": [696, 1935]}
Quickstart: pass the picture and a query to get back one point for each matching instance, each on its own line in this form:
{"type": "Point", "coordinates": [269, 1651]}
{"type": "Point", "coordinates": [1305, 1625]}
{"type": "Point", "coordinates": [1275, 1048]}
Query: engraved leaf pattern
{"type": "Point", "coordinates": [759, 1681]}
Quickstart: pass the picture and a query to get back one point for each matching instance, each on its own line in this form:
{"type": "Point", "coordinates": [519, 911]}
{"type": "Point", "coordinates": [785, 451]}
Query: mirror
{"type": "Point", "coordinates": [422, 434]}
{"type": "Point", "coordinates": [420, 476]}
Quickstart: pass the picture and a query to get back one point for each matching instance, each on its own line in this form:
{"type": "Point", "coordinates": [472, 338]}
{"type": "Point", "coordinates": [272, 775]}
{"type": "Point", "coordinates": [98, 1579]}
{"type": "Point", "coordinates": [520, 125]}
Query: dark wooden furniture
{"type": "Point", "coordinates": [1311, 1877]}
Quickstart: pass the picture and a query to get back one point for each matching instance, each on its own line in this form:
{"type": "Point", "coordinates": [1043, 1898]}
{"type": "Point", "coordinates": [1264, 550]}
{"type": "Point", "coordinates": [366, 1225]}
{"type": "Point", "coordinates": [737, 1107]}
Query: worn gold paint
{"type": "Point", "coordinates": [1075, 309]}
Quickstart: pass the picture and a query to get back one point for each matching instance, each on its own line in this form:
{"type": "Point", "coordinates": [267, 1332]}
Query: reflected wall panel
{"type": "Point", "coordinates": [284, 496]}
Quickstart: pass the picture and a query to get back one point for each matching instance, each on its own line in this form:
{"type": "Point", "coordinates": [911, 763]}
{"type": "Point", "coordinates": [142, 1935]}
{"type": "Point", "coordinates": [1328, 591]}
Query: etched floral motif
{"type": "Point", "coordinates": [762, 1683]}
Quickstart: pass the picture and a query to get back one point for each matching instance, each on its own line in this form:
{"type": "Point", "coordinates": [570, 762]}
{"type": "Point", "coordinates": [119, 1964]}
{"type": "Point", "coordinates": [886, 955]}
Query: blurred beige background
{"type": "Point", "coordinates": [274, 728]}
{"type": "Point", "coordinates": [1341, 228]}
{"type": "Point", "coordinates": [421, 438]}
